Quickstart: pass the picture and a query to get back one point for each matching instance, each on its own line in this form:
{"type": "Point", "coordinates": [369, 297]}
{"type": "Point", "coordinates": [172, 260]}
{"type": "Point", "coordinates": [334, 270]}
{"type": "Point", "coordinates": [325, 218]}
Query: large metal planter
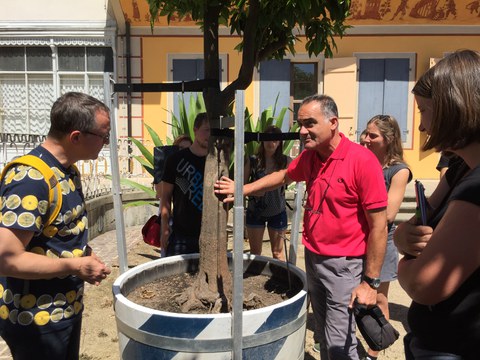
{"type": "Point", "coordinates": [273, 332]}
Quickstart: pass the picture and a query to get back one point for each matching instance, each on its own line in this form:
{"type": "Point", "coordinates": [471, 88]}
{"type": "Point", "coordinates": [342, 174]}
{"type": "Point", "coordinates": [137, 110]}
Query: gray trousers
{"type": "Point", "coordinates": [331, 281]}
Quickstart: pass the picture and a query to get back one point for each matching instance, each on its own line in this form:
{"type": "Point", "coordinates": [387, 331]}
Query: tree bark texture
{"type": "Point", "coordinates": [213, 286]}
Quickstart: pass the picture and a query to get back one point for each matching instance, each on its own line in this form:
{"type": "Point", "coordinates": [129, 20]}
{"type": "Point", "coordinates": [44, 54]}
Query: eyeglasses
{"type": "Point", "coordinates": [105, 138]}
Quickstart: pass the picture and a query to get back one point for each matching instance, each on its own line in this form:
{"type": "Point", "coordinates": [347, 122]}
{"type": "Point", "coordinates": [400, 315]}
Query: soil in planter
{"type": "Point", "coordinates": [259, 291]}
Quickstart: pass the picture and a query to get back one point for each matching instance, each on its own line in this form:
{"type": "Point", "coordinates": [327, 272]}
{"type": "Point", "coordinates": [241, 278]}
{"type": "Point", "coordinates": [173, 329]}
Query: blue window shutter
{"type": "Point", "coordinates": [396, 91]}
{"type": "Point", "coordinates": [275, 81]}
{"type": "Point", "coordinates": [370, 95]}
{"type": "Point", "coordinates": [383, 89]}
{"type": "Point", "coordinates": [187, 70]}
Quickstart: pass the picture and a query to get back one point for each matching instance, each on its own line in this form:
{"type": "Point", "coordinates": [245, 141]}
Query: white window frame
{"type": "Point", "coordinates": [55, 74]}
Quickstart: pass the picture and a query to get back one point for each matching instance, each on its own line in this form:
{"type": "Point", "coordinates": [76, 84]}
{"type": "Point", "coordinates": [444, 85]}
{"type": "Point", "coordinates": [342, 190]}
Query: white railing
{"type": "Point", "coordinates": [95, 173]}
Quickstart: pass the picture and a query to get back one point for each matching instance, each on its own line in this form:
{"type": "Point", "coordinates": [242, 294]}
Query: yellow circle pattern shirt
{"type": "Point", "coordinates": [24, 205]}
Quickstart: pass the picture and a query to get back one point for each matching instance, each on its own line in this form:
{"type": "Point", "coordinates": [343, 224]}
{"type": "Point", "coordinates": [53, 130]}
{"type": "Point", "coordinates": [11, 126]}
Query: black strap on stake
{"type": "Point", "coordinates": [254, 136]}
{"type": "Point", "coordinates": [197, 86]}
{"type": "Point", "coordinates": [191, 86]}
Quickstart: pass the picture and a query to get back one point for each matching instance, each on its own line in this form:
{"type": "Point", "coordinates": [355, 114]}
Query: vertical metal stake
{"type": "Point", "coordinates": [237, 315]}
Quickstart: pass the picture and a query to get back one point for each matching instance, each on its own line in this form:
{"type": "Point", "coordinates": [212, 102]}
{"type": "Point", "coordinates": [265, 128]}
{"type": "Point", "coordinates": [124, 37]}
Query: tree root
{"type": "Point", "coordinates": [199, 298]}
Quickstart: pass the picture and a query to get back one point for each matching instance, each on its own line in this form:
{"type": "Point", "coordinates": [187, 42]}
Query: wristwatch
{"type": "Point", "coordinates": [374, 283]}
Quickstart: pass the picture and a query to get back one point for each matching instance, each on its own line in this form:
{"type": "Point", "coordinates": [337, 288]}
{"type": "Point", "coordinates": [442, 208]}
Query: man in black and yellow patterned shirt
{"type": "Point", "coordinates": [43, 267]}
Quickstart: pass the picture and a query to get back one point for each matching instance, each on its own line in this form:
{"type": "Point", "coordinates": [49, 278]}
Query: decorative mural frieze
{"type": "Point", "coordinates": [363, 12]}
{"type": "Point", "coordinates": [397, 12]}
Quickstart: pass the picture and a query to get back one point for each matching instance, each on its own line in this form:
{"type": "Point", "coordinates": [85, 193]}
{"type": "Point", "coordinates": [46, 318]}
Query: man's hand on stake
{"type": "Point", "coordinates": [225, 186]}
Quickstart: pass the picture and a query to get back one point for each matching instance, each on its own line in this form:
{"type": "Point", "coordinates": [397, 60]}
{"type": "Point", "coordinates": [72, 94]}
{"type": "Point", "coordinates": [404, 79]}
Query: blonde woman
{"type": "Point", "coordinates": [383, 138]}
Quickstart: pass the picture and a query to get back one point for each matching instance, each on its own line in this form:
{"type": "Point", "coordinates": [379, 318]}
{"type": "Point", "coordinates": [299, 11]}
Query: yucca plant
{"type": "Point", "coordinates": [267, 118]}
{"type": "Point", "coordinates": [183, 124]}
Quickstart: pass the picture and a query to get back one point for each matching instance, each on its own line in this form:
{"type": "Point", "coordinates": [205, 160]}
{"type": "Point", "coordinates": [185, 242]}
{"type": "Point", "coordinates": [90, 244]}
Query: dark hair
{"type": "Point", "coordinates": [200, 119]}
{"type": "Point", "coordinates": [74, 111]}
{"type": "Point", "coordinates": [456, 102]}
{"type": "Point", "coordinates": [328, 105]}
{"type": "Point", "coordinates": [278, 157]}
{"type": "Point", "coordinates": [389, 129]}
{"type": "Point", "coordinates": [363, 134]}
{"type": "Point", "coordinates": [423, 87]}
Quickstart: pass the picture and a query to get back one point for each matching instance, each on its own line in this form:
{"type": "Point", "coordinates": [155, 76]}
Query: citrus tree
{"type": "Point", "coordinates": [267, 30]}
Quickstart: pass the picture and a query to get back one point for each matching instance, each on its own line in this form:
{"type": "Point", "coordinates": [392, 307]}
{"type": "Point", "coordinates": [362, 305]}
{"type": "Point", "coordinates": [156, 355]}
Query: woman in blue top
{"type": "Point", "coordinates": [383, 138]}
{"type": "Point", "coordinates": [268, 209]}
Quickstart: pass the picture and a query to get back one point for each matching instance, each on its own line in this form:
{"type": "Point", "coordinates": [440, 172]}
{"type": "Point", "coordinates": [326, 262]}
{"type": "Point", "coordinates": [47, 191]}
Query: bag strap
{"type": "Point", "coordinates": [379, 316]}
{"type": "Point", "coordinates": [54, 188]}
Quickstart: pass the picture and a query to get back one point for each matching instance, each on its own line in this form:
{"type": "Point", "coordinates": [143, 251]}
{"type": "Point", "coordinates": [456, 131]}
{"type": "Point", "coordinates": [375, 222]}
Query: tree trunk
{"type": "Point", "coordinates": [213, 286]}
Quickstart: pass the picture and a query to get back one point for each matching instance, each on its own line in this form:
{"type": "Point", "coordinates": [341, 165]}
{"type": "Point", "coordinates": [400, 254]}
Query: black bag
{"type": "Point", "coordinates": [374, 327]}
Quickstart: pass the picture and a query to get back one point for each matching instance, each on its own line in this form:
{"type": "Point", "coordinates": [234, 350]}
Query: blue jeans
{"type": "Point", "coordinates": [181, 244]}
{"type": "Point", "coordinates": [414, 350]}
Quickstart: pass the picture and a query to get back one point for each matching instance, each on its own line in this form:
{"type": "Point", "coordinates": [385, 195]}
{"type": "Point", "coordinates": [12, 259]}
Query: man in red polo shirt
{"type": "Point", "coordinates": [345, 222]}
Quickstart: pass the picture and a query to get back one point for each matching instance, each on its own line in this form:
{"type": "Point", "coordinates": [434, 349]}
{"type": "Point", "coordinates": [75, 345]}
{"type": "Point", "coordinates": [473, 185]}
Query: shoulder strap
{"type": "Point", "coordinates": [54, 188]}
{"type": "Point", "coordinates": [285, 161]}
{"type": "Point", "coordinates": [253, 168]}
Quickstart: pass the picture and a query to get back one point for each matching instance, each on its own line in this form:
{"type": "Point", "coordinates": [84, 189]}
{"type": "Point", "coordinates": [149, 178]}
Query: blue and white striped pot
{"type": "Point", "coordinates": [273, 332]}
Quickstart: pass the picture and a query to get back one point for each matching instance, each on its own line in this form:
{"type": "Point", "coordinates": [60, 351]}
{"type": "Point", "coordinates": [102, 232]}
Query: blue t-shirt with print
{"type": "Point", "coordinates": [57, 302]}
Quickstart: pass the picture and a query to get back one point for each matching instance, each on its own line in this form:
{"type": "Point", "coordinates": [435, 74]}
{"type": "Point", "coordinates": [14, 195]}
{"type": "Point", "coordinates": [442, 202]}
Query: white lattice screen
{"type": "Point", "coordinates": [31, 80]}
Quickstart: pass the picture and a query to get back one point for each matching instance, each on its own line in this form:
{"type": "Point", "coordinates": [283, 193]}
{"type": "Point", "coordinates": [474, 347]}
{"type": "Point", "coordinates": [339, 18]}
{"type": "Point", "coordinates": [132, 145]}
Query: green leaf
{"type": "Point", "coordinates": [138, 186]}
{"type": "Point", "coordinates": [155, 138]}
{"type": "Point", "coordinates": [145, 152]}
{"type": "Point", "coordinates": [146, 165]}
{"type": "Point", "coordinates": [183, 123]}
{"type": "Point", "coordinates": [288, 144]}
{"type": "Point", "coordinates": [280, 117]}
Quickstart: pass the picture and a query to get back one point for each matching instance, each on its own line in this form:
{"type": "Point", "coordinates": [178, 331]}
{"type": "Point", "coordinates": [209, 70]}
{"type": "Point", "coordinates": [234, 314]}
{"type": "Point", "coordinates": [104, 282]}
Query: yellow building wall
{"type": "Point", "coordinates": [424, 47]}
{"type": "Point", "coordinates": [155, 51]}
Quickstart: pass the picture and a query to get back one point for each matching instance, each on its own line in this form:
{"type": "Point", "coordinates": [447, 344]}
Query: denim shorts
{"type": "Point", "coordinates": [276, 222]}
{"type": "Point", "coordinates": [390, 263]}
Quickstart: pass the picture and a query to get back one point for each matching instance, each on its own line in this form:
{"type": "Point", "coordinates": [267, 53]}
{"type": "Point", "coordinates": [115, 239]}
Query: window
{"type": "Point", "coordinates": [30, 81]}
{"type": "Point", "coordinates": [275, 87]}
{"type": "Point", "coordinates": [384, 84]}
{"type": "Point", "coordinates": [303, 83]}
{"type": "Point", "coordinates": [188, 67]}
{"type": "Point", "coordinates": [284, 83]}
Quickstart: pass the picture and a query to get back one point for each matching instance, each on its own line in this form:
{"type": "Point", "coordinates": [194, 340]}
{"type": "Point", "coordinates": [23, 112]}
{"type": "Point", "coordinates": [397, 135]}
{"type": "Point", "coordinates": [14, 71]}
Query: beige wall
{"type": "Point", "coordinates": [53, 10]}
{"type": "Point", "coordinates": [155, 51]}
{"type": "Point", "coordinates": [424, 47]}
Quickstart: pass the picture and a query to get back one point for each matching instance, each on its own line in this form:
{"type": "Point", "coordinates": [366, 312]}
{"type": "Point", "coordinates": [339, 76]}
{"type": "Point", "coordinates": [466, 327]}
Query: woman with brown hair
{"type": "Point", "coordinates": [443, 275]}
{"type": "Point", "coordinates": [383, 138]}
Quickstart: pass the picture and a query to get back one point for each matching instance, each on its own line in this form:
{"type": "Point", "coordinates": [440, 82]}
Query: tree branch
{"type": "Point", "coordinates": [249, 54]}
